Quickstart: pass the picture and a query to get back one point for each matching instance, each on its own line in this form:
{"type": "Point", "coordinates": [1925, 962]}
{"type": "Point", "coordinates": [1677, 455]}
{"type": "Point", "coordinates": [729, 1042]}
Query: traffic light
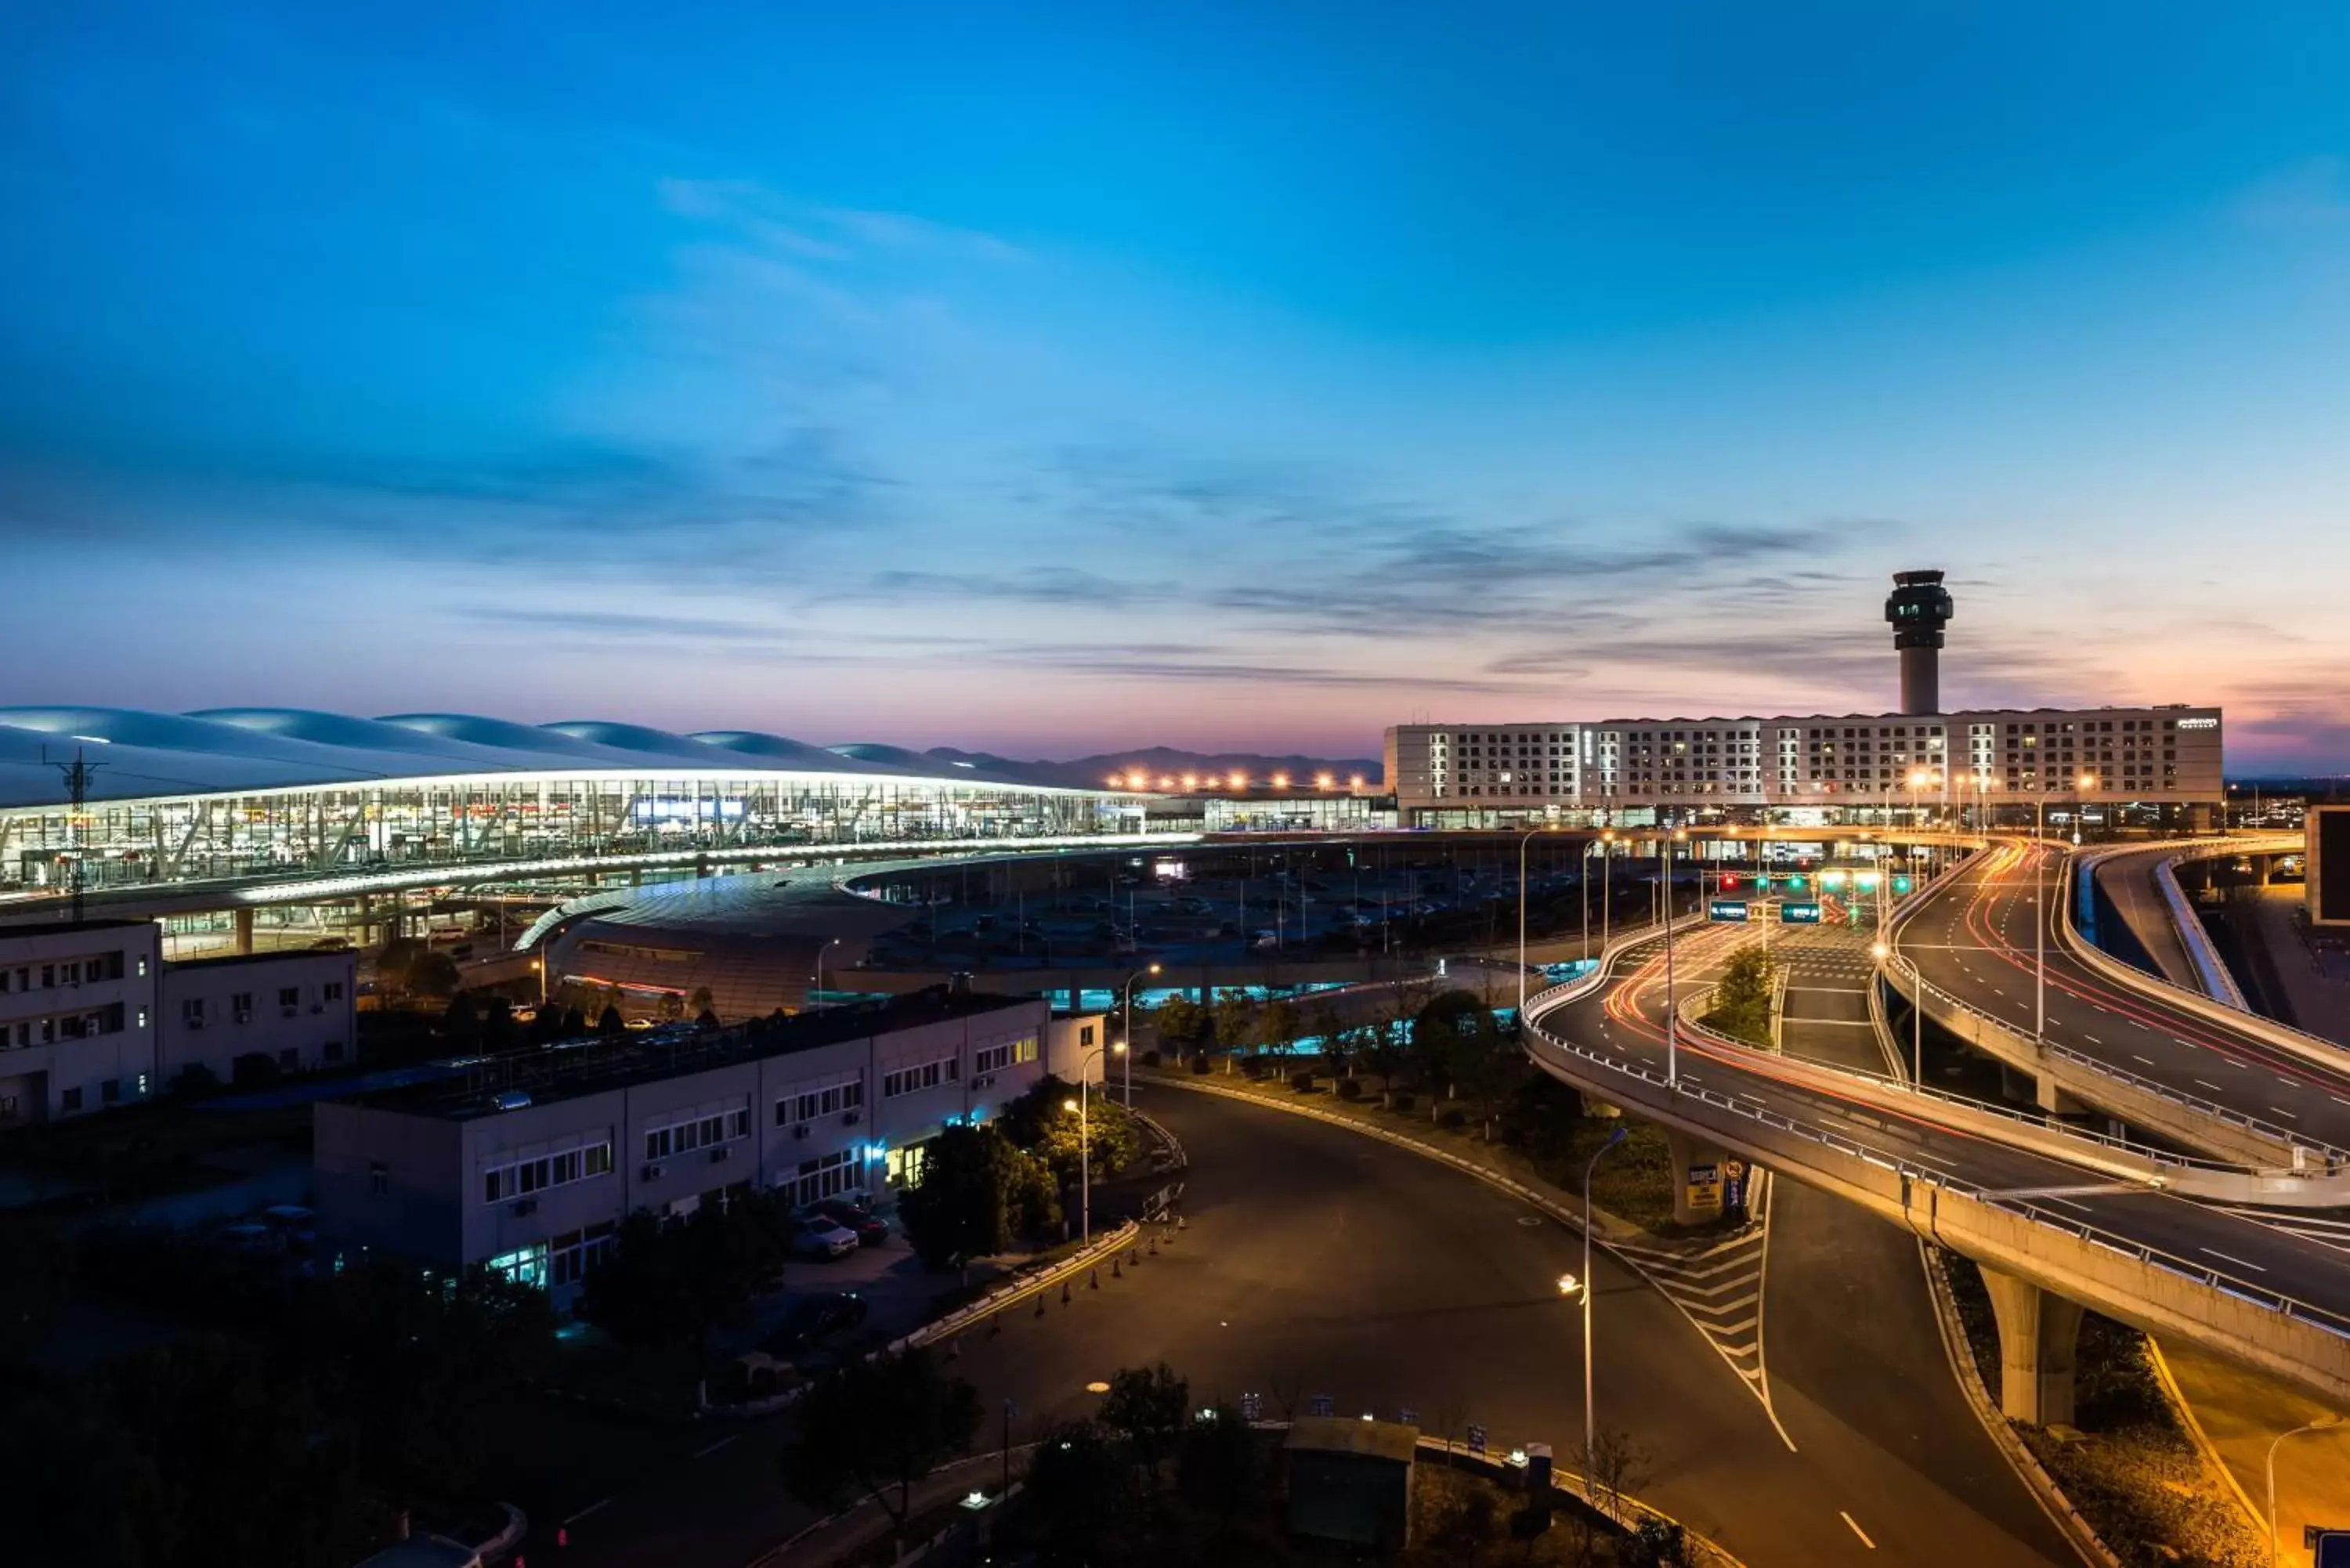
{"type": "Point", "coordinates": [1901, 884]}
{"type": "Point", "coordinates": [1796, 883]}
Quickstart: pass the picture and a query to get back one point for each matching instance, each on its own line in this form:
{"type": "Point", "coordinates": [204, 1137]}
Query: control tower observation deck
{"type": "Point", "coordinates": [1918, 608]}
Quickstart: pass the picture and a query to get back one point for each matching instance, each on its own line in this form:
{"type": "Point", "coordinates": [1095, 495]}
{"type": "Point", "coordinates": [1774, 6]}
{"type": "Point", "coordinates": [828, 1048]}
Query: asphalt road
{"type": "Point", "coordinates": [1974, 937]}
{"type": "Point", "coordinates": [1320, 1262]}
{"type": "Point", "coordinates": [1625, 1019]}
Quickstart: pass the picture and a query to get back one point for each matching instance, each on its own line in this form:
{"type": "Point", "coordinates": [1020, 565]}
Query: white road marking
{"type": "Point", "coordinates": [715, 1446]}
{"type": "Point", "coordinates": [587, 1510]}
{"type": "Point", "coordinates": [2287, 1115]}
{"type": "Point", "coordinates": [1857, 1530]}
{"type": "Point", "coordinates": [2240, 1262]}
{"type": "Point", "coordinates": [2147, 1060]}
{"type": "Point", "coordinates": [2208, 1085]}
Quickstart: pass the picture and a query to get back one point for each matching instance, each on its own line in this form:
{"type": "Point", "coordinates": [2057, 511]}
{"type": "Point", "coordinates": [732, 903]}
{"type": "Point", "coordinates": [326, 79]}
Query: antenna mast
{"type": "Point", "coordinates": [77, 774]}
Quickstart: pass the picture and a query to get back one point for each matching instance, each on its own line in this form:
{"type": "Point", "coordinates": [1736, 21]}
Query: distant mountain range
{"type": "Point", "coordinates": [1160, 762]}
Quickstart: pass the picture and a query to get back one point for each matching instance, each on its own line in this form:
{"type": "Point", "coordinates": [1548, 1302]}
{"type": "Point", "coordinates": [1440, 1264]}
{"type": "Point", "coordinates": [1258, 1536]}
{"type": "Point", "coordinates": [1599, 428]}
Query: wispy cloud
{"type": "Point", "coordinates": [2313, 194]}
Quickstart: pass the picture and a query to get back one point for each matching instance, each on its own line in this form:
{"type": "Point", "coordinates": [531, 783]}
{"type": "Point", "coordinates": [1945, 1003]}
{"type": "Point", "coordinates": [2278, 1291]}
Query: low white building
{"type": "Point", "coordinates": [77, 1016]}
{"type": "Point", "coordinates": [91, 1016]}
{"type": "Point", "coordinates": [533, 1172]}
{"type": "Point", "coordinates": [298, 1009]}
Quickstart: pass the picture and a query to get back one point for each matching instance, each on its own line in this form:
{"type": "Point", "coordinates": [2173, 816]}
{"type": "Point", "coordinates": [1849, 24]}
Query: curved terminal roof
{"type": "Point", "coordinates": [137, 754]}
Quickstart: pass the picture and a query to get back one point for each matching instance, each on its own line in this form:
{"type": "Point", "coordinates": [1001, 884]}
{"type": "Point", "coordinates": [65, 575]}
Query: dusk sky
{"type": "Point", "coordinates": [1053, 380]}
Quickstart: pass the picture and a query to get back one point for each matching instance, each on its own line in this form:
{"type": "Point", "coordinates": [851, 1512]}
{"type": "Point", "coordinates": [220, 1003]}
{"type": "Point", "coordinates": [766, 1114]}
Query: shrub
{"type": "Point", "coordinates": [1348, 1089]}
{"type": "Point", "coordinates": [1200, 1064]}
{"type": "Point", "coordinates": [1302, 1082]}
{"type": "Point", "coordinates": [1399, 1102]}
{"type": "Point", "coordinates": [1252, 1068]}
{"type": "Point", "coordinates": [1150, 1058]}
{"type": "Point", "coordinates": [1453, 1118]}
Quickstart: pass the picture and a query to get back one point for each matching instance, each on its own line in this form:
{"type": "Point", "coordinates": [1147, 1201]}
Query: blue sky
{"type": "Point", "coordinates": [1062, 378]}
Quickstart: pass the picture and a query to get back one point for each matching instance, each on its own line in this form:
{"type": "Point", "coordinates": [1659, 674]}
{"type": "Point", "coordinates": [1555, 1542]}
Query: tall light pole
{"type": "Point", "coordinates": [819, 970]}
{"type": "Point", "coordinates": [1672, 1004]}
{"type": "Point", "coordinates": [1528, 840]}
{"type": "Point", "coordinates": [1127, 1044]}
{"type": "Point", "coordinates": [2320, 1424]}
{"type": "Point", "coordinates": [1590, 1422]}
{"type": "Point", "coordinates": [1606, 888]}
{"type": "Point", "coordinates": [1082, 1105]}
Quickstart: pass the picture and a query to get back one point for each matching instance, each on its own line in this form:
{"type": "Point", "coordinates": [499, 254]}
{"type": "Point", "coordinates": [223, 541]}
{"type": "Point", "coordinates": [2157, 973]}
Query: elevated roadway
{"type": "Point", "coordinates": [2058, 1222]}
{"type": "Point", "coordinates": [2105, 1034]}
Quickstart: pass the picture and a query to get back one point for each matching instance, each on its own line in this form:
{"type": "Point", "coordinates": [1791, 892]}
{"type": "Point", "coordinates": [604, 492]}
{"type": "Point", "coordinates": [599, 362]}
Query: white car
{"type": "Point", "coordinates": [820, 1238]}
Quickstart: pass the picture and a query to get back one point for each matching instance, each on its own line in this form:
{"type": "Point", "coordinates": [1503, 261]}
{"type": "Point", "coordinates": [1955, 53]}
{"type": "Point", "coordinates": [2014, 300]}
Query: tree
{"type": "Point", "coordinates": [1742, 998]}
{"type": "Point", "coordinates": [1040, 1122]}
{"type": "Point", "coordinates": [1148, 1405]}
{"type": "Point", "coordinates": [433, 974]}
{"type": "Point", "coordinates": [1079, 1492]}
{"type": "Point", "coordinates": [1540, 1116]}
{"type": "Point", "coordinates": [700, 1002]}
{"type": "Point", "coordinates": [1236, 1022]}
{"type": "Point", "coordinates": [1218, 1465]}
{"type": "Point", "coordinates": [461, 1023]}
{"type": "Point", "coordinates": [392, 964]}
{"type": "Point", "coordinates": [962, 1205]}
{"type": "Point", "coordinates": [1180, 1024]}
{"type": "Point", "coordinates": [1336, 1042]}
{"type": "Point", "coordinates": [670, 1282]}
{"type": "Point", "coordinates": [874, 1427]}
{"type": "Point", "coordinates": [1281, 1027]}
{"type": "Point", "coordinates": [1453, 1040]}
{"type": "Point", "coordinates": [670, 1008]}
{"type": "Point", "coordinates": [610, 1022]}
{"type": "Point", "coordinates": [640, 1294]}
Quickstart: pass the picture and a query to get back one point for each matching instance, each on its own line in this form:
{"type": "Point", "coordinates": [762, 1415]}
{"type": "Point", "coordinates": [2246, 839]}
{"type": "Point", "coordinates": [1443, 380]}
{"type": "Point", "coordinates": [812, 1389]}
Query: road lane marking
{"type": "Point", "coordinates": [584, 1512]}
{"type": "Point", "coordinates": [715, 1446]}
{"type": "Point", "coordinates": [2287, 1115]}
{"type": "Point", "coordinates": [2135, 1057]}
{"type": "Point", "coordinates": [2240, 1262]}
{"type": "Point", "coordinates": [2208, 1085]}
{"type": "Point", "coordinates": [2094, 1041]}
{"type": "Point", "coordinates": [1857, 1530]}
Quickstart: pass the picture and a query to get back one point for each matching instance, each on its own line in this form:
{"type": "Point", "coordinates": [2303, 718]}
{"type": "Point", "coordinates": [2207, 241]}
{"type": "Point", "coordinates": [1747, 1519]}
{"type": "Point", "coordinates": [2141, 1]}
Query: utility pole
{"type": "Point", "coordinates": [77, 774]}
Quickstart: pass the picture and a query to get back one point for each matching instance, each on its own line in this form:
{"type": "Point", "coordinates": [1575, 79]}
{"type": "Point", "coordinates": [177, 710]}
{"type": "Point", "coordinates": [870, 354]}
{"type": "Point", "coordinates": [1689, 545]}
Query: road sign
{"type": "Point", "coordinates": [1251, 1407]}
{"type": "Point", "coordinates": [1407, 1415]}
{"type": "Point", "coordinates": [1800, 914]}
{"type": "Point", "coordinates": [1728, 910]}
{"type": "Point", "coordinates": [1476, 1439]}
{"type": "Point", "coordinates": [1703, 1184]}
{"type": "Point", "coordinates": [2332, 1547]}
{"type": "Point", "coordinates": [1324, 1405]}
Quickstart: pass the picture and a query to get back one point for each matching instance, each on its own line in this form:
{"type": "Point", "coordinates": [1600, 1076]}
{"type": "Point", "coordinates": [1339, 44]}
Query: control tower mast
{"type": "Point", "coordinates": [1918, 608]}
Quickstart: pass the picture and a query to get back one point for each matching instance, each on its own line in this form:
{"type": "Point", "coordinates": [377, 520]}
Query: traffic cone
{"type": "Point", "coordinates": [1114, 1271]}
{"type": "Point", "coordinates": [1064, 1292]}
{"type": "Point", "coordinates": [1094, 1283]}
{"type": "Point", "coordinates": [1040, 1303]}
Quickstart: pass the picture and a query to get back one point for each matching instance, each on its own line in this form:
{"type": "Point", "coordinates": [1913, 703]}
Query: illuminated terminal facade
{"type": "Point", "coordinates": [244, 793]}
{"type": "Point", "coordinates": [2160, 762]}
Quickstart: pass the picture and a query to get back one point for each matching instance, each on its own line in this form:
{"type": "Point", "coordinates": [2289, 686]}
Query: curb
{"type": "Point", "coordinates": [2077, 1531]}
{"type": "Point", "coordinates": [2201, 1439]}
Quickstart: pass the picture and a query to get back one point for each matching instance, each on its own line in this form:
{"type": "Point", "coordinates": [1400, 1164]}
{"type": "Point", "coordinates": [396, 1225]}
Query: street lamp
{"type": "Point", "coordinates": [1128, 1072]}
{"type": "Point", "coordinates": [819, 970]}
{"type": "Point", "coordinates": [1082, 1105]}
{"type": "Point", "coordinates": [2320, 1424]}
{"type": "Point", "coordinates": [1567, 1287]}
{"type": "Point", "coordinates": [1606, 891]}
{"type": "Point", "coordinates": [1672, 1005]}
{"type": "Point", "coordinates": [1528, 840]}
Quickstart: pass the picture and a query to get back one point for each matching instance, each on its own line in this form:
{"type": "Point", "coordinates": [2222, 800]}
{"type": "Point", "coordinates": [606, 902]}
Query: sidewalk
{"type": "Point", "coordinates": [2241, 1411]}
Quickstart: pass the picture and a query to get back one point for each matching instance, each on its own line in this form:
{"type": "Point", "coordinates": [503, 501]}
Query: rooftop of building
{"type": "Point", "coordinates": [267, 955]}
{"type": "Point", "coordinates": [64, 927]}
{"type": "Point", "coordinates": [572, 1068]}
{"type": "Point", "coordinates": [1888, 718]}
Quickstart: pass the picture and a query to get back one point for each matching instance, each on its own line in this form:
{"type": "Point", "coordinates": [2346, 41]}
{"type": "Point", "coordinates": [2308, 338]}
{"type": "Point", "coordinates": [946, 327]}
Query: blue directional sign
{"type": "Point", "coordinates": [2332, 1547]}
{"type": "Point", "coordinates": [1800, 914]}
{"type": "Point", "coordinates": [1726, 910]}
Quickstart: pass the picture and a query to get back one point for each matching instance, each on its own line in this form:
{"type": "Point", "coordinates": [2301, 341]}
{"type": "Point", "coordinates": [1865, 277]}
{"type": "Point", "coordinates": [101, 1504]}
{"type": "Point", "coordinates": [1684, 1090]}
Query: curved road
{"type": "Point", "coordinates": [1318, 1261]}
{"type": "Point", "coordinates": [1973, 937]}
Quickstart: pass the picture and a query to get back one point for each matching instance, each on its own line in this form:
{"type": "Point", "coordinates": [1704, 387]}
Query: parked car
{"type": "Point", "coordinates": [820, 1238]}
{"type": "Point", "coordinates": [817, 1319]}
{"type": "Point", "coordinates": [871, 1228]}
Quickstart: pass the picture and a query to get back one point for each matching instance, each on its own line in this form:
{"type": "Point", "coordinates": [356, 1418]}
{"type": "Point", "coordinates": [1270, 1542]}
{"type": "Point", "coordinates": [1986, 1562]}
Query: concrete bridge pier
{"type": "Point", "coordinates": [1698, 1176]}
{"type": "Point", "coordinates": [243, 916]}
{"type": "Point", "coordinates": [2038, 1331]}
{"type": "Point", "coordinates": [2016, 1084]}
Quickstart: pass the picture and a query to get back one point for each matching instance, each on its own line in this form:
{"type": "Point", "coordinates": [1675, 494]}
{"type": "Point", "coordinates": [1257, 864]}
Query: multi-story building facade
{"type": "Point", "coordinates": [298, 1009]}
{"type": "Point", "coordinates": [1463, 774]}
{"type": "Point", "coordinates": [77, 1016]}
{"type": "Point", "coordinates": [92, 1016]}
{"type": "Point", "coordinates": [535, 1179]}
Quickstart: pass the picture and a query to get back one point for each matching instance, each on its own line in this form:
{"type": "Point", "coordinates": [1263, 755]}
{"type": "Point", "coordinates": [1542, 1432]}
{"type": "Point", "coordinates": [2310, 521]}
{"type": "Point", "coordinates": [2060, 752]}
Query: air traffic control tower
{"type": "Point", "coordinates": [1920, 607]}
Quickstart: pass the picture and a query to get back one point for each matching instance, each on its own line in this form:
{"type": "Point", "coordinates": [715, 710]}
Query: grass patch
{"type": "Point", "coordinates": [2134, 1473]}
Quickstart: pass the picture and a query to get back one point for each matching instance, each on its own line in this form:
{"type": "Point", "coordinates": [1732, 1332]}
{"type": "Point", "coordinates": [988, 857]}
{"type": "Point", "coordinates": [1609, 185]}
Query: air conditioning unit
{"type": "Point", "coordinates": [800, 1131]}
{"type": "Point", "coordinates": [850, 1118]}
{"type": "Point", "coordinates": [984, 1081]}
{"type": "Point", "coordinates": [317, 1007]}
{"type": "Point", "coordinates": [242, 1018]}
{"type": "Point", "coordinates": [649, 1173]}
{"type": "Point", "coordinates": [193, 1022]}
{"type": "Point", "coordinates": [289, 1012]}
{"type": "Point", "coordinates": [718, 1155]}
{"type": "Point", "coordinates": [525, 1206]}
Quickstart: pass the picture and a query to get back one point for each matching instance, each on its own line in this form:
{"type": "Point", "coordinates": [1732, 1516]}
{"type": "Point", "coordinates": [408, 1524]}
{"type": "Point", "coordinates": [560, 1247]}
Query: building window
{"type": "Point", "coordinates": [71, 1099]}
{"type": "Point", "coordinates": [923, 1075]}
{"type": "Point", "coordinates": [828, 1176]}
{"type": "Point", "coordinates": [192, 1012]}
{"type": "Point", "coordinates": [519, 1178]}
{"type": "Point", "coordinates": [289, 996]}
{"type": "Point", "coordinates": [379, 1180]}
{"type": "Point", "coordinates": [701, 1132]}
{"type": "Point", "coordinates": [334, 990]}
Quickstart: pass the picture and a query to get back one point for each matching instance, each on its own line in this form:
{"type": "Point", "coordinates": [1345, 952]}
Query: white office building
{"type": "Point", "coordinates": [91, 1016]}
{"type": "Point", "coordinates": [533, 1173]}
